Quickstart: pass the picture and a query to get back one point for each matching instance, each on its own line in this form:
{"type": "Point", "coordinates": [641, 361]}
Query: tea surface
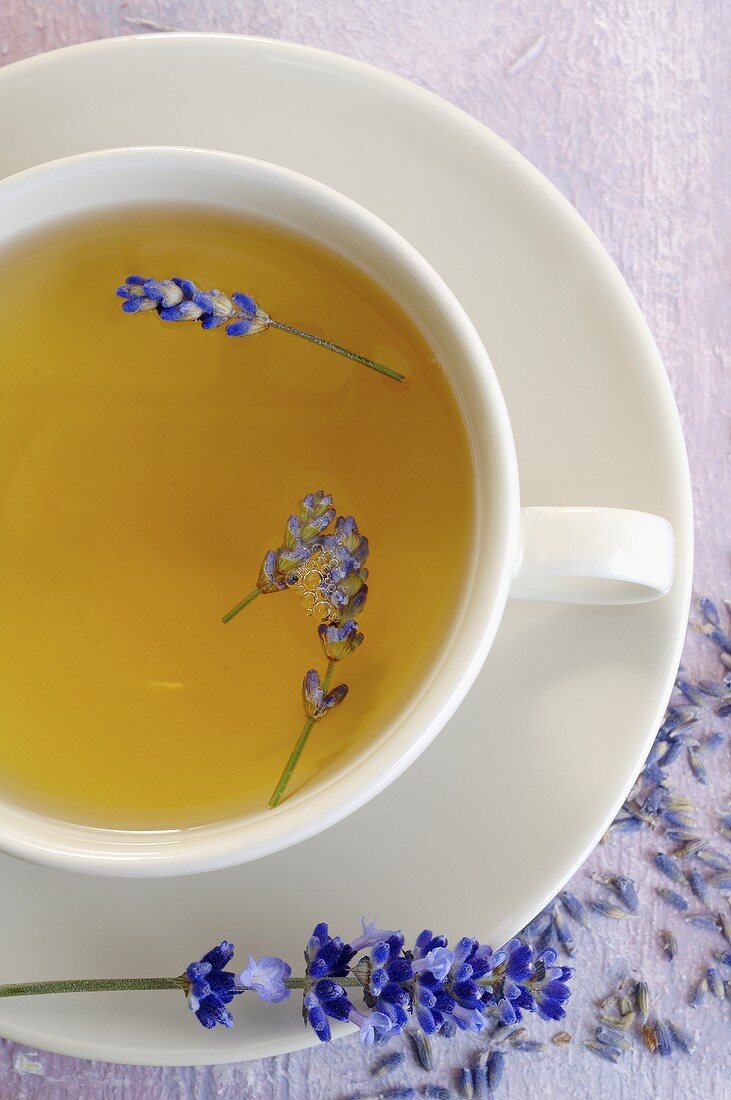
{"type": "Point", "coordinates": [145, 468]}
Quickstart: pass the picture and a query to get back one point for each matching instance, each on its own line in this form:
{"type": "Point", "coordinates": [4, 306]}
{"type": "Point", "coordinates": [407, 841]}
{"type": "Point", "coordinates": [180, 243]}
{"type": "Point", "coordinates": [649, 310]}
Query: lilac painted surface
{"type": "Point", "coordinates": [624, 107]}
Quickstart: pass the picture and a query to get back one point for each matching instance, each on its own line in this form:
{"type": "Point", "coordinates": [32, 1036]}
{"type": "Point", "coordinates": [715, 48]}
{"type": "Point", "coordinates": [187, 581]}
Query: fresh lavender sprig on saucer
{"type": "Point", "coordinates": [326, 568]}
{"type": "Point", "coordinates": [446, 990]}
{"type": "Point", "coordinates": [182, 300]}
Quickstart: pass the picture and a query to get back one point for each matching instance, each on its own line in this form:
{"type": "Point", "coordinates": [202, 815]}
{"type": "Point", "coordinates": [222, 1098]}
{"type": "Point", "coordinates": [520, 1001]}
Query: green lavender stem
{"type": "Point", "coordinates": [241, 605]}
{"type": "Point", "coordinates": [299, 746]}
{"type": "Point", "coordinates": [352, 355]}
{"type": "Point", "coordinates": [115, 985]}
{"type": "Point", "coordinates": [90, 985]}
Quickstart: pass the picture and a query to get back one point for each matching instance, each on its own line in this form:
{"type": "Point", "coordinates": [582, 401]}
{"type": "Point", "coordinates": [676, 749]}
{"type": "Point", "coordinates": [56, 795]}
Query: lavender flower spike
{"type": "Point", "coordinates": [182, 300]}
{"type": "Point", "coordinates": [466, 988]}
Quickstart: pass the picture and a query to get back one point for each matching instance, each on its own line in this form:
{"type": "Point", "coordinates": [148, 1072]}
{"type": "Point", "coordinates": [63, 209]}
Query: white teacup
{"type": "Point", "coordinates": [575, 555]}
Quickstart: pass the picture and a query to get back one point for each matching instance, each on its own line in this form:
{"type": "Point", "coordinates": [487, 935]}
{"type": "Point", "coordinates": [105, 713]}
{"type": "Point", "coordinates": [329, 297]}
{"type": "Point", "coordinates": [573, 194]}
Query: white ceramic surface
{"type": "Point", "coordinates": [578, 555]}
{"type": "Point", "coordinates": [500, 810]}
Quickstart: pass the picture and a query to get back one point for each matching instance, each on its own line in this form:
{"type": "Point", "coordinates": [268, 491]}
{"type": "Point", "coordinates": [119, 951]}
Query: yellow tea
{"type": "Point", "coordinates": [146, 468]}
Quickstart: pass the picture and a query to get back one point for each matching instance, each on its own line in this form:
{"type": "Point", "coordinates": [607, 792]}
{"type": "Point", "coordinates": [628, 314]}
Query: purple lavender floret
{"type": "Point", "coordinates": [339, 641]}
{"type": "Point", "coordinates": [210, 987]}
{"type": "Point", "coordinates": [710, 611]}
{"type": "Point", "coordinates": [327, 956]}
{"type": "Point", "coordinates": [266, 978]}
{"type": "Point", "coordinates": [316, 702]}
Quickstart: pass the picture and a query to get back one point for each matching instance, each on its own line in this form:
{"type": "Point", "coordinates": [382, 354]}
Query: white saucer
{"type": "Point", "coordinates": [510, 799]}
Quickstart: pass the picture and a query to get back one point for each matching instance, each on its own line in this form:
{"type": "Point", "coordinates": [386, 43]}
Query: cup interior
{"type": "Point", "coordinates": [101, 182]}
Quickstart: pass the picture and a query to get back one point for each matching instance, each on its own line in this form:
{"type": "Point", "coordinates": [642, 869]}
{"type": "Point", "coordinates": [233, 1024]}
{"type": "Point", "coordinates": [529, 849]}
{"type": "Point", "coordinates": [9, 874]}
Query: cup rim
{"type": "Point", "coordinates": [157, 853]}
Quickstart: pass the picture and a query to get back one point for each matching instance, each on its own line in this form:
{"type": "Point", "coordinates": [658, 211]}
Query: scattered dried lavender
{"type": "Point", "coordinates": [652, 804]}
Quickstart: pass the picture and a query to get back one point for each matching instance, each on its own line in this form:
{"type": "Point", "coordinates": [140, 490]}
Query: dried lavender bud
{"type": "Point", "coordinates": [642, 997]}
{"type": "Point", "coordinates": [669, 944]}
{"type": "Point", "coordinates": [672, 898]}
{"type": "Point", "coordinates": [710, 611]}
{"type": "Point", "coordinates": [388, 1064]}
{"type": "Point", "coordinates": [466, 1083]}
{"type": "Point", "coordinates": [715, 859]}
{"type": "Point", "coordinates": [608, 910]}
{"type": "Point", "coordinates": [495, 1068]}
{"type": "Point", "coordinates": [725, 923]}
{"type": "Point", "coordinates": [609, 1054]}
{"type": "Point", "coordinates": [703, 920]}
{"type": "Point", "coordinates": [649, 1038]}
{"type": "Point", "coordinates": [423, 1050]}
{"type": "Point", "coordinates": [479, 1076]}
{"type": "Point", "coordinates": [669, 867]}
{"type": "Point", "coordinates": [664, 1039]}
{"type": "Point", "coordinates": [611, 1038]}
{"type": "Point", "coordinates": [681, 1038]}
{"type": "Point", "coordinates": [699, 887]}
{"type": "Point", "coordinates": [619, 1023]}
{"type": "Point", "coordinates": [699, 994]}
{"type": "Point", "coordinates": [715, 984]}
{"type": "Point", "coordinates": [697, 766]}
{"type": "Point", "coordinates": [690, 847]}
{"type": "Point", "coordinates": [563, 931]}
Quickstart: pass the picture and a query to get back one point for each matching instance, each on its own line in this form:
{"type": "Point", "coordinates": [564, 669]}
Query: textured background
{"type": "Point", "coordinates": [623, 105]}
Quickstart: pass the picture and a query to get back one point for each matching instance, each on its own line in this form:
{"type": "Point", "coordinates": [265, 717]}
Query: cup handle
{"type": "Point", "coordinates": [593, 556]}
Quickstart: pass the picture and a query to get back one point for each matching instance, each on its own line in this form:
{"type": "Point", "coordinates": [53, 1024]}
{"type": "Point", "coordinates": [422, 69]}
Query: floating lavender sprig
{"type": "Point", "coordinates": [182, 300]}
{"type": "Point", "coordinates": [326, 567]}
